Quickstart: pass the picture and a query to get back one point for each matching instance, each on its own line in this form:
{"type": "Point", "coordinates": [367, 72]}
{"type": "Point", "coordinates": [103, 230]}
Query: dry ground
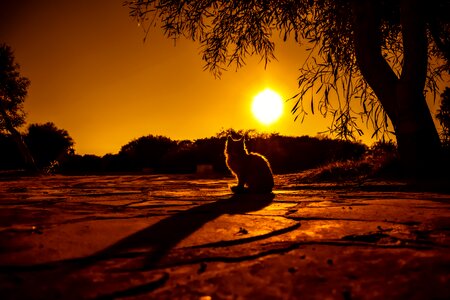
{"type": "Point", "coordinates": [180, 237]}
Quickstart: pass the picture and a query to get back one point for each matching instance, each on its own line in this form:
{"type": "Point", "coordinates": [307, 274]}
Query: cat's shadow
{"type": "Point", "coordinates": [151, 244]}
{"type": "Point", "coordinates": [146, 248]}
{"type": "Point", "coordinates": [155, 241]}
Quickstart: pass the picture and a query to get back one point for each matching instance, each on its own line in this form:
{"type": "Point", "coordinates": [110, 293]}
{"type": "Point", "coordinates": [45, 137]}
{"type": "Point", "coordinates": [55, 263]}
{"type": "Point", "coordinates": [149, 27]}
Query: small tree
{"type": "Point", "coordinates": [13, 90]}
{"type": "Point", "coordinates": [47, 143]}
{"type": "Point", "coordinates": [146, 151]}
{"type": "Point", "coordinates": [443, 116]}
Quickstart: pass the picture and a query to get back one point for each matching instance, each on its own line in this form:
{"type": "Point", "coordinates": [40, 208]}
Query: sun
{"type": "Point", "coordinates": [267, 106]}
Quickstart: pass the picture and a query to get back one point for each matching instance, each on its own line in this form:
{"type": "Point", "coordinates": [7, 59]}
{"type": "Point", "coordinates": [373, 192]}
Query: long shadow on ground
{"type": "Point", "coordinates": [145, 247]}
{"type": "Point", "coordinates": [155, 241]}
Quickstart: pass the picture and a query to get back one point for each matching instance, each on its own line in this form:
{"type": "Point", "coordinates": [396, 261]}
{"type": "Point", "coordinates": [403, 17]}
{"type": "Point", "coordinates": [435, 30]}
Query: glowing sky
{"type": "Point", "coordinates": [92, 74]}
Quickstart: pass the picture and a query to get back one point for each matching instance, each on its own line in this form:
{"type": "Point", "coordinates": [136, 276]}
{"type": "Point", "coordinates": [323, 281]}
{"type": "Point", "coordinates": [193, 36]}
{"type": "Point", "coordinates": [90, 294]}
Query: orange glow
{"type": "Point", "coordinates": [92, 75]}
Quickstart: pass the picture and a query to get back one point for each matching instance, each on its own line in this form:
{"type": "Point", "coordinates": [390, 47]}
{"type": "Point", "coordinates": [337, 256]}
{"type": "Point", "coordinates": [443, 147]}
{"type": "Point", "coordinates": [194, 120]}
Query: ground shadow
{"type": "Point", "coordinates": [156, 240]}
{"type": "Point", "coordinates": [145, 247]}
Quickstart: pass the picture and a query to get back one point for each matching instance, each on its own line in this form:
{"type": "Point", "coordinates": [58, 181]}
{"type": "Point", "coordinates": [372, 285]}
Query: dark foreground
{"type": "Point", "coordinates": [175, 237]}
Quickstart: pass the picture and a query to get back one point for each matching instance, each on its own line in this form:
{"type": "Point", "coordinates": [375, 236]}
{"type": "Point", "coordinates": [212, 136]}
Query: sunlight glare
{"type": "Point", "coordinates": [267, 106]}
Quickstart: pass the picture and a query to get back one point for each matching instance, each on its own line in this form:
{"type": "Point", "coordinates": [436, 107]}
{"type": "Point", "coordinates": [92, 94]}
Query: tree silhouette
{"type": "Point", "coordinates": [146, 151]}
{"type": "Point", "coordinates": [47, 143]}
{"type": "Point", "coordinates": [443, 116]}
{"type": "Point", "coordinates": [374, 53]}
{"type": "Point", "coordinates": [10, 158]}
{"type": "Point", "coordinates": [13, 90]}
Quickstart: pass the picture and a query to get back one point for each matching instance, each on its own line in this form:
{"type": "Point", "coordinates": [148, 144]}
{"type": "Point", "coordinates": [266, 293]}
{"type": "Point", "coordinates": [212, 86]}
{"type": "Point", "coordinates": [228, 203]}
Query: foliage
{"type": "Point", "coordinates": [82, 164]}
{"type": "Point", "coordinates": [146, 151]}
{"type": "Point", "coordinates": [379, 162]}
{"type": "Point", "coordinates": [13, 90]}
{"type": "Point", "coordinates": [10, 158]}
{"type": "Point", "coordinates": [292, 154]}
{"type": "Point", "coordinates": [443, 116]}
{"type": "Point", "coordinates": [159, 154]}
{"type": "Point", "coordinates": [229, 31]}
{"type": "Point", "coordinates": [48, 144]}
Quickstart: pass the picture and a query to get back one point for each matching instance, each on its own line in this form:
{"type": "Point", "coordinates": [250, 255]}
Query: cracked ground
{"type": "Point", "coordinates": [180, 237]}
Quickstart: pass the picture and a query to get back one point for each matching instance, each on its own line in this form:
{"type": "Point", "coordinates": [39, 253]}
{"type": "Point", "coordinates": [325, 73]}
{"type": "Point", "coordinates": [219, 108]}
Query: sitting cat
{"type": "Point", "coordinates": [252, 170]}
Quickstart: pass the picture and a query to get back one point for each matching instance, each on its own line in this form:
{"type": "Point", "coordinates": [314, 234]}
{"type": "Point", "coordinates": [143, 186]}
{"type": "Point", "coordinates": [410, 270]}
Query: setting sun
{"type": "Point", "coordinates": [267, 106]}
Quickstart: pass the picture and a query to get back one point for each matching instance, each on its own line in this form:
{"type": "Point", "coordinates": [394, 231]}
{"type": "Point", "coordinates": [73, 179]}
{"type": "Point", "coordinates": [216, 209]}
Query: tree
{"type": "Point", "coordinates": [146, 151]}
{"type": "Point", "coordinates": [47, 143]}
{"type": "Point", "coordinates": [383, 55]}
{"type": "Point", "coordinates": [10, 158]}
{"type": "Point", "coordinates": [443, 116]}
{"type": "Point", "coordinates": [13, 90]}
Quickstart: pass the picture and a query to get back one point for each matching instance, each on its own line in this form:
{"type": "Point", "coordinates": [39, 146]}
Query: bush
{"type": "Point", "coordinates": [379, 162]}
{"type": "Point", "coordinates": [47, 143]}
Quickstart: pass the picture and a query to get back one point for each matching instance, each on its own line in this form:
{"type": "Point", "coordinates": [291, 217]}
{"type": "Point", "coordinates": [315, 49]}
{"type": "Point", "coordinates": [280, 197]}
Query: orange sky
{"type": "Point", "coordinates": [92, 74]}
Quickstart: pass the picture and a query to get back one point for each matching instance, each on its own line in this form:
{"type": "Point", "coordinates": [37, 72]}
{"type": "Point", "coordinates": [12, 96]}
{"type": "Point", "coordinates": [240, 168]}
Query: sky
{"type": "Point", "coordinates": [93, 75]}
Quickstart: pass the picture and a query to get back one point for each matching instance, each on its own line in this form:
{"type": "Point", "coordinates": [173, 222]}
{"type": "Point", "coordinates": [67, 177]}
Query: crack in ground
{"type": "Point", "coordinates": [136, 290]}
{"type": "Point", "coordinates": [282, 248]}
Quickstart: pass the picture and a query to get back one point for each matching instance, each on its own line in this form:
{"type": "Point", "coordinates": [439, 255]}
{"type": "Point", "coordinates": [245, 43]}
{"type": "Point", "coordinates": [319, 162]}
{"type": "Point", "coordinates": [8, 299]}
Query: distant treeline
{"type": "Point", "coordinates": [159, 154]}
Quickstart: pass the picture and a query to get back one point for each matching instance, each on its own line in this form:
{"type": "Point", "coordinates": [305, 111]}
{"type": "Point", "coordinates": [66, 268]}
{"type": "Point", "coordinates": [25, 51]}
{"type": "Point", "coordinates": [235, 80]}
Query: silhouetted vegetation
{"type": "Point", "coordinates": [443, 116]}
{"type": "Point", "coordinates": [146, 152]}
{"type": "Point", "coordinates": [83, 164]}
{"type": "Point", "coordinates": [327, 159]}
{"type": "Point", "coordinates": [382, 56]}
{"type": "Point", "coordinates": [380, 161]}
{"type": "Point", "coordinates": [13, 90]}
{"type": "Point", "coordinates": [10, 158]}
{"type": "Point", "coordinates": [157, 154]}
{"type": "Point", "coordinates": [48, 144]}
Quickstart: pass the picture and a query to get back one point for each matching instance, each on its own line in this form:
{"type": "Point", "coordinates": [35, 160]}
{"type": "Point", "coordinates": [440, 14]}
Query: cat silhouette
{"type": "Point", "coordinates": [252, 170]}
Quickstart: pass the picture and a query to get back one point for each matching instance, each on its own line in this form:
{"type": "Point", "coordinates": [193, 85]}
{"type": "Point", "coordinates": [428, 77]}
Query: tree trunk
{"type": "Point", "coordinates": [402, 98]}
{"type": "Point", "coordinates": [17, 137]}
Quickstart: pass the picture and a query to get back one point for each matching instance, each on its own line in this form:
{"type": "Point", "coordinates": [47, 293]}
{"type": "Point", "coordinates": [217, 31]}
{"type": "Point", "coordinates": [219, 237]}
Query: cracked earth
{"type": "Point", "coordinates": [180, 237]}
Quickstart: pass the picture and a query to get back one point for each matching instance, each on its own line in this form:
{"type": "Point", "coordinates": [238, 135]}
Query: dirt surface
{"type": "Point", "coordinates": [180, 237]}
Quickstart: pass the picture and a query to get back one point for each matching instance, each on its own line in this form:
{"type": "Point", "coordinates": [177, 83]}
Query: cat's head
{"type": "Point", "coordinates": [235, 147]}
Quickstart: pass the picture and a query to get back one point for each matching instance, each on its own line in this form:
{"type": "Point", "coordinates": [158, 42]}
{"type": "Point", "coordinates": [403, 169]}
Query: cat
{"type": "Point", "coordinates": [252, 170]}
